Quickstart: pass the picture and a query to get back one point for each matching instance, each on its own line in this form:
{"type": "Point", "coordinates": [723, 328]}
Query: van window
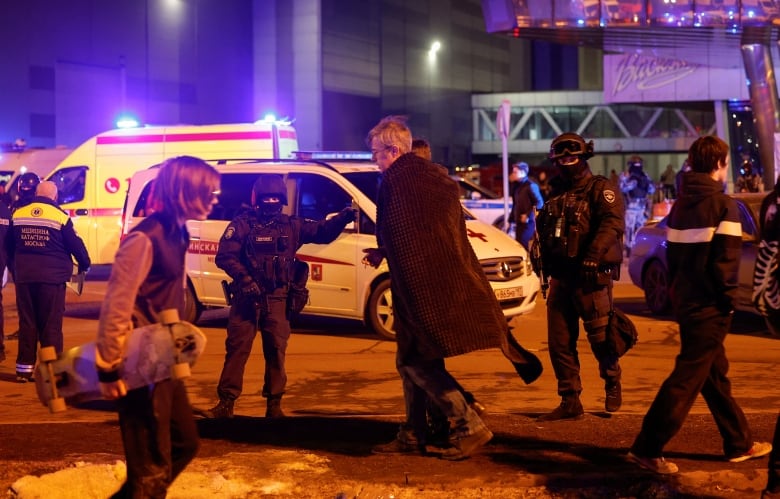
{"type": "Point", "coordinates": [235, 197]}
{"type": "Point", "coordinates": [70, 183]}
{"type": "Point", "coordinates": [318, 196]}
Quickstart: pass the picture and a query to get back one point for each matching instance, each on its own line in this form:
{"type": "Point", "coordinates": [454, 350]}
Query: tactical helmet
{"type": "Point", "coordinates": [635, 162]}
{"type": "Point", "coordinates": [28, 182]}
{"type": "Point", "coordinates": [269, 185]}
{"type": "Point", "coordinates": [570, 144]}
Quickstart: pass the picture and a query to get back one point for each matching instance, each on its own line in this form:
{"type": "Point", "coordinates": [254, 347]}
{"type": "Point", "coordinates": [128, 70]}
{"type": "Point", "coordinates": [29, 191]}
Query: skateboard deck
{"type": "Point", "coordinates": [150, 356]}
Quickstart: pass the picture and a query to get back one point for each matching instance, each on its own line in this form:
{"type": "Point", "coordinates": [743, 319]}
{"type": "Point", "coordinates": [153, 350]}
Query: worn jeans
{"type": "Point", "coordinates": [429, 380]}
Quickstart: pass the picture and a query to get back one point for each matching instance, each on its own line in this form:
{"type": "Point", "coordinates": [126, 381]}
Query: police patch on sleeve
{"type": "Point", "coordinates": [609, 196]}
{"type": "Point", "coordinates": [229, 233]}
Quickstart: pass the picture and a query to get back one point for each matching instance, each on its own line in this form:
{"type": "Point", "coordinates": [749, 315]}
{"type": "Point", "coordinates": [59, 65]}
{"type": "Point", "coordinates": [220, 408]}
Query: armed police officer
{"type": "Point", "coordinates": [637, 187]}
{"type": "Point", "coordinates": [257, 251]}
{"type": "Point", "coordinates": [580, 230]}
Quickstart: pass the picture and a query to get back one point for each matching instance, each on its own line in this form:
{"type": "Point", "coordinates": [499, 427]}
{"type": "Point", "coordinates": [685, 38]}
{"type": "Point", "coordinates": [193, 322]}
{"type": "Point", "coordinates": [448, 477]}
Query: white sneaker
{"type": "Point", "coordinates": [655, 464]}
{"type": "Point", "coordinates": [759, 449]}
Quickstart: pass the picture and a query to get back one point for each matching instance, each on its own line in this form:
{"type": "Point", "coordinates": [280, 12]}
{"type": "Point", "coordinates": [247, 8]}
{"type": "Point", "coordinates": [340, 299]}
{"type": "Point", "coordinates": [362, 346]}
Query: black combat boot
{"type": "Point", "coordinates": [570, 408]}
{"type": "Point", "coordinates": [223, 409]}
{"type": "Point", "coordinates": [274, 407]}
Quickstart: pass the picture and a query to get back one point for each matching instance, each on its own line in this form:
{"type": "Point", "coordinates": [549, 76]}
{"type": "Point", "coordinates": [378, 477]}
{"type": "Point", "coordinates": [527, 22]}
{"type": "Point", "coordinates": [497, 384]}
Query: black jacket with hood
{"type": "Point", "coordinates": [704, 242]}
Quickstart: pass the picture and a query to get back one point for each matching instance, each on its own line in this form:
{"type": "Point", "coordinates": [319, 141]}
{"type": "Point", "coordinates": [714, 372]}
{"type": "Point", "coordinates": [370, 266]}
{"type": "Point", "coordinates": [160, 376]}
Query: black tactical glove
{"type": "Point", "coordinates": [590, 271]}
{"type": "Point", "coordinates": [349, 214]}
{"type": "Point", "coordinates": [249, 287]}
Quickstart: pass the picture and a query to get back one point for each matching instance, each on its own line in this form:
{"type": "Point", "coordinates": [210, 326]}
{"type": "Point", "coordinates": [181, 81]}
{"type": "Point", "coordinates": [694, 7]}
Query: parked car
{"type": "Point", "coordinates": [339, 284]}
{"type": "Point", "coordinates": [648, 269]}
{"type": "Point", "coordinates": [483, 203]}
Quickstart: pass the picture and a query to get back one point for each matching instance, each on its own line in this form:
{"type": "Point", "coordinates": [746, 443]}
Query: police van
{"type": "Point", "coordinates": [92, 181]}
{"type": "Point", "coordinates": [340, 285]}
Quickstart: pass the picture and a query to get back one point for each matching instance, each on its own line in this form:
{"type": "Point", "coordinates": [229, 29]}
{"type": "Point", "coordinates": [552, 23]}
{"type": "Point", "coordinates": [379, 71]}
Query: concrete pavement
{"type": "Point", "coordinates": [339, 371]}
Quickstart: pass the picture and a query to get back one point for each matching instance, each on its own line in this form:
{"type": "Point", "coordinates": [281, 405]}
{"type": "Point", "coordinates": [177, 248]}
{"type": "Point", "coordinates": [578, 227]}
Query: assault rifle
{"type": "Point", "coordinates": [535, 253]}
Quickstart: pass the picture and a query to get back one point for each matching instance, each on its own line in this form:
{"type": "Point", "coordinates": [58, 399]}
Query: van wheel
{"type": "Point", "coordinates": [192, 307]}
{"type": "Point", "coordinates": [380, 310]}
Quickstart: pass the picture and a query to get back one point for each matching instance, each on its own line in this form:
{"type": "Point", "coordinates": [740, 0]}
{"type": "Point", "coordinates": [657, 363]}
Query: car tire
{"type": "Point", "coordinates": [379, 312]}
{"type": "Point", "coordinates": [192, 307]}
{"type": "Point", "coordinates": [655, 283]}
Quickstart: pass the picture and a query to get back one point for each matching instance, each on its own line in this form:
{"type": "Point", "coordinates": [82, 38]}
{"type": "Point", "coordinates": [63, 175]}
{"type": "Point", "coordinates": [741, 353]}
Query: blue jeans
{"type": "Point", "coordinates": [429, 380]}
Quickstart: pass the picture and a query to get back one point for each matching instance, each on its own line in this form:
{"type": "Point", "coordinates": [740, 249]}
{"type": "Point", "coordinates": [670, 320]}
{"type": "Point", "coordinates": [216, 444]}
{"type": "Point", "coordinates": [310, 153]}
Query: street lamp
{"type": "Point", "coordinates": [435, 47]}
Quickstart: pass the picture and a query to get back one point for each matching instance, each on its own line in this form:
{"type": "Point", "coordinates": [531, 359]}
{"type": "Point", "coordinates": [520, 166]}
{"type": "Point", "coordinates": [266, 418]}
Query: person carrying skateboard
{"type": "Point", "coordinates": [158, 430]}
{"type": "Point", "coordinates": [257, 251]}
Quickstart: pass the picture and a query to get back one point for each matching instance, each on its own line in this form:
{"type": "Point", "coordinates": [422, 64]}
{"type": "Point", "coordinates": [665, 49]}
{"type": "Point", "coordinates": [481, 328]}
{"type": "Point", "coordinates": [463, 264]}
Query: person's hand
{"type": "Point", "coordinates": [374, 257]}
{"type": "Point", "coordinates": [83, 270]}
{"type": "Point", "coordinates": [590, 271]}
{"type": "Point", "coordinates": [249, 287]}
{"type": "Point", "coordinates": [349, 214]}
{"type": "Point", "coordinates": [113, 390]}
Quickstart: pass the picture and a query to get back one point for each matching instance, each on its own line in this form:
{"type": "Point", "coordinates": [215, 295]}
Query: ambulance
{"type": "Point", "coordinates": [92, 181]}
{"type": "Point", "coordinates": [319, 185]}
{"type": "Point", "coordinates": [15, 161]}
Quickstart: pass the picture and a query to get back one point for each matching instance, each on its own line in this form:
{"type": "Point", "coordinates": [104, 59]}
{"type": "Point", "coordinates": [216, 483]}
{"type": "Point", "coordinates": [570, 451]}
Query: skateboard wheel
{"type": "Point", "coordinates": [181, 370]}
{"type": "Point", "coordinates": [169, 316]}
{"type": "Point", "coordinates": [57, 405]}
{"type": "Point", "coordinates": [47, 354]}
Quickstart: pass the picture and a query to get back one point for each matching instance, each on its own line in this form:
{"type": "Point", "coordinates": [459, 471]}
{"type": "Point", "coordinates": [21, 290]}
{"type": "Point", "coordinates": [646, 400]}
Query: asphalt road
{"type": "Point", "coordinates": [344, 396]}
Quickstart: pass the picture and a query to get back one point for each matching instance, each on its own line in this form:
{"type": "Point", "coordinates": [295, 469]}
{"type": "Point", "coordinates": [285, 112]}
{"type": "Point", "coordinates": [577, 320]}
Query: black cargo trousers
{"type": "Point", "coordinates": [268, 313]}
{"type": "Point", "coordinates": [567, 303]}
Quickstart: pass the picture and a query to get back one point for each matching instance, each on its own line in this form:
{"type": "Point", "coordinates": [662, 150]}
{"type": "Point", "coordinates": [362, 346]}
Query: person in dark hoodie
{"type": "Point", "coordinates": [704, 239]}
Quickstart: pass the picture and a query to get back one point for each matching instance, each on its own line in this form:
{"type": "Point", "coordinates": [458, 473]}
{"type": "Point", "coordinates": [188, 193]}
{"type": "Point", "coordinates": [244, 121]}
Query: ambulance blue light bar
{"type": "Point", "coordinates": [332, 155]}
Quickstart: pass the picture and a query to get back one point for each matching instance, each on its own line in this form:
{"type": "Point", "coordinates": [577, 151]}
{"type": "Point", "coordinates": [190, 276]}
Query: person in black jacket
{"type": "Point", "coordinates": [580, 233]}
{"type": "Point", "coordinates": [526, 200]}
{"type": "Point", "coordinates": [257, 251]}
{"type": "Point", "coordinates": [43, 243]}
{"type": "Point", "coordinates": [704, 242]}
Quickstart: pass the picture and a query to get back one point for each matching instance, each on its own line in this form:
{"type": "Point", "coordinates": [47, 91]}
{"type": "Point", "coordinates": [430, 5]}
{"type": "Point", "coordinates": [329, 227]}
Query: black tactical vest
{"type": "Point", "coordinates": [271, 248]}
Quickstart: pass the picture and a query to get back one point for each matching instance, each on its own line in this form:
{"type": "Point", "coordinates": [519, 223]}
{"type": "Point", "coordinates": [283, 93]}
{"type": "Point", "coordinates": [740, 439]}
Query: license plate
{"type": "Point", "coordinates": [508, 293]}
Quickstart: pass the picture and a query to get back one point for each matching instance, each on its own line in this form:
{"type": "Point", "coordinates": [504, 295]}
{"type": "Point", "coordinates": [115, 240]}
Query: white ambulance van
{"type": "Point", "coordinates": [38, 160]}
{"type": "Point", "coordinates": [92, 181]}
{"type": "Point", "coordinates": [340, 284]}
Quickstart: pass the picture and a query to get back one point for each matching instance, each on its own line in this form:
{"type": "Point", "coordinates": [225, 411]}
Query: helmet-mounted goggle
{"type": "Point", "coordinates": [571, 147]}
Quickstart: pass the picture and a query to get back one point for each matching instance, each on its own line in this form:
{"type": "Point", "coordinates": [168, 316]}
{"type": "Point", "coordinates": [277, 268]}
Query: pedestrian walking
{"type": "Point", "coordinates": [257, 251]}
{"type": "Point", "coordinates": [41, 253]}
{"type": "Point", "coordinates": [429, 329]}
{"type": "Point", "coordinates": [148, 277]}
{"type": "Point", "coordinates": [704, 242]}
{"type": "Point", "coordinates": [580, 233]}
